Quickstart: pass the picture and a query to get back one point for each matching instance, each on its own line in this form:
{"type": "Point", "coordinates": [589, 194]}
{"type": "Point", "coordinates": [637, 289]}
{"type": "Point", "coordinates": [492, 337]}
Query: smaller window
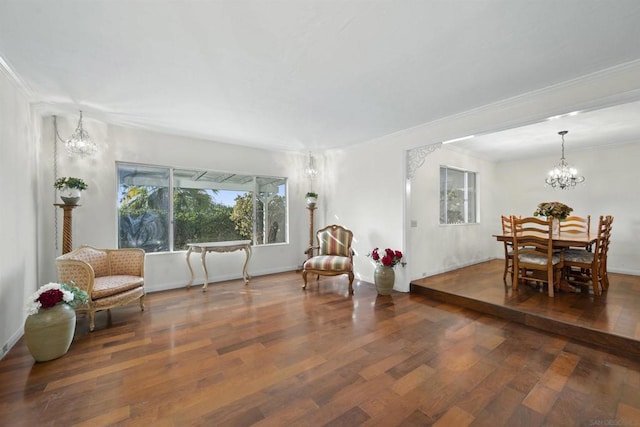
{"type": "Point", "coordinates": [458, 201]}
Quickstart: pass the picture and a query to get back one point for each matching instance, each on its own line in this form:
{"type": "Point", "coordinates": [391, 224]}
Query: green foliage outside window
{"type": "Point", "coordinates": [199, 214]}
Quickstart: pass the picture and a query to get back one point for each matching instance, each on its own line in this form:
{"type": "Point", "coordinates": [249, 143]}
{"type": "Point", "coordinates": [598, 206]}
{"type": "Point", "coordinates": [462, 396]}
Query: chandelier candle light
{"type": "Point", "coordinates": [563, 176]}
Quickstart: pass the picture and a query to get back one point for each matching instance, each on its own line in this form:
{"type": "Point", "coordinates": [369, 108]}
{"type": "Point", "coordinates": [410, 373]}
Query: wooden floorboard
{"type": "Point", "coordinates": [611, 320]}
{"type": "Point", "coordinates": [271, 354]}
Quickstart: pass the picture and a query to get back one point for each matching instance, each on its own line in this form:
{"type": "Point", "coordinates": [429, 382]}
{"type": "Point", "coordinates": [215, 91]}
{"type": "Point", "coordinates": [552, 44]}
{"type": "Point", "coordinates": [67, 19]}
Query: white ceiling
{"type": "Point", "coordinates": [616, 125]}
{"type": "Point", "coordinates": [307, 74]}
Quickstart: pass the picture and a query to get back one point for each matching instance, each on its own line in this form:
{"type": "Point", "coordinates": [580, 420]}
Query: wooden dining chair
{"type": "Point", "coordinates": [508, 248]}
{"type": "Point", "coordinates": [534, 259]}
{"type": "Point", "coordinates": [583, 267]}
{"type": "Point", "coordinates": [575, 225]}
{"type": "Point", "coordinates": [605, 256]}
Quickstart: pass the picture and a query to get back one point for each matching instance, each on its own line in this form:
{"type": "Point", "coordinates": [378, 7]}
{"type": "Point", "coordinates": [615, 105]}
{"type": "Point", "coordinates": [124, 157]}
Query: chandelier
{"type": "Point", "coordinates": [80, 143]}
{"type": "Point", "coordinates": [563, 176]}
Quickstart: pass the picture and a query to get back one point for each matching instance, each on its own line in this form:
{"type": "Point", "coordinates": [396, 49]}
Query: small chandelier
{"type": "Point", "coordinates": [80, 142]}
{"type": "Point", "coordinates": [563, 176]}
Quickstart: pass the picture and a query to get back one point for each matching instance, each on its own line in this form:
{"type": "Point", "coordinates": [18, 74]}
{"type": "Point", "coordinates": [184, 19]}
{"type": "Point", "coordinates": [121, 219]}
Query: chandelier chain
{"type": "Point", "coordinates": [55, 177]}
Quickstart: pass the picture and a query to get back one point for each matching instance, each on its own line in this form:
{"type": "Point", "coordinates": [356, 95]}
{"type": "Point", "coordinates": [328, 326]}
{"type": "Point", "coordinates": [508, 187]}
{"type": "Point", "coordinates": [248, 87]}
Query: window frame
{"type": "Point", "coordinates": [466, 203]}
{"type": "Point", "coordinates": [256, 189]}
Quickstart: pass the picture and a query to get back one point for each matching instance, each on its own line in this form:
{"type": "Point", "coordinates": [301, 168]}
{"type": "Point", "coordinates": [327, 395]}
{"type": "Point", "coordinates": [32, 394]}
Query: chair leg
{"type": "Point", "coordinates": [92, 324]}
{"type": "Point", "coordinates": [351, 276]}
{"type": "Point", "coordinates": [603, 276]}
{"type": "Point", "coordinates": [304, 278]}
{"type": "Point", "coordinates": [596, 281]}
{"type": "Point", "coordinates": [142, 303]}
{"type": "Point", "coordinates": [516, 279]}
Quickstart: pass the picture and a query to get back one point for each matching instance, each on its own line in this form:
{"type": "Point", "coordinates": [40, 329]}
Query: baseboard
{"type": "Point", "coordinates": [454, 267]}
{"type": "Point", "coordinates": [177, 285]}
{"type": "Point", "coordinates": [7, 346]}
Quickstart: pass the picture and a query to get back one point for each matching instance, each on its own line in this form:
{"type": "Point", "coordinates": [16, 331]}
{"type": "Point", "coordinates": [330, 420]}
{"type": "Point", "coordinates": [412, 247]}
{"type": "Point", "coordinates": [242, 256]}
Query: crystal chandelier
{"type": "Point", "coordinates": [80, 142]}
{"type": "Point", "coordinates": [563, 176]}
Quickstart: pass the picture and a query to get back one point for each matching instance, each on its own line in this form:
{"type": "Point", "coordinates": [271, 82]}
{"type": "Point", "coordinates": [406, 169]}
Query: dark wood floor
{"type": "Point", "coordinates": [270, 354]}
{"type": "Point", "coordinates": [611, 320]}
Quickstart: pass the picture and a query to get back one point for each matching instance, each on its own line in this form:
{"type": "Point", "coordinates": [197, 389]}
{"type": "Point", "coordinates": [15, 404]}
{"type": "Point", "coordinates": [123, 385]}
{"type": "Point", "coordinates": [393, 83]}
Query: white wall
{"type": "Point", "coordinates": [364, 193]}
{"type": "Point", "coordinates": [437, 248]}
{"type": "Point", "coordinates": [18, 192]}
{"type": "Point", "coordinates": [95, 221]}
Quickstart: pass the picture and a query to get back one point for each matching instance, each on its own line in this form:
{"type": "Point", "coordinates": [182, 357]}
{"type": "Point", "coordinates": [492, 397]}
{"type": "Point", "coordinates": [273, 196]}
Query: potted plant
{"type": "Point", "coordinates": [384, 275]}
{"type": "Point", "coordinates": [70, 189]}
{"type": "Point", "coordinates": [51, 320]}
{"type": "Point", "coordinates": [556, 210]}
{"type": "Point", "coordinates": [312, 199]}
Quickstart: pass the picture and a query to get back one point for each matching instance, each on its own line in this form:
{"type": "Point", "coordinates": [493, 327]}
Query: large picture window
{"type": "Point", "coordinates": [163, 209]}
{"type": "Point", "coordinates": [458, 201]}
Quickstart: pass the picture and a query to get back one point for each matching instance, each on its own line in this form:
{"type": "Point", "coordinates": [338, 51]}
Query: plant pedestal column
{"type": "Point", "coordinates": [49, 332]}
{"type": "Point", "coordinates": [384, 278]}
{"type": "Point", "coordinates": [67, 229]}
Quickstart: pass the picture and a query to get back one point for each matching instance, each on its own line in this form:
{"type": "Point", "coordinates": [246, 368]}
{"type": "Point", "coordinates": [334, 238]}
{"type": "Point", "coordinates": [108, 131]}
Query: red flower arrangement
{"type": "Point", "coordinates": [53, 293]}
{"type": "Point", "coordinates": [389, 258]}
{"type": "Point", "coordinates": [50, 298]}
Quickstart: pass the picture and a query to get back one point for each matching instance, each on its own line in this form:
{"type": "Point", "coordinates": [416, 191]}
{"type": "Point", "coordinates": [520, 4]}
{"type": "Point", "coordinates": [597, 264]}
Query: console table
{"type": "Point", "coordinates": [204, 248]}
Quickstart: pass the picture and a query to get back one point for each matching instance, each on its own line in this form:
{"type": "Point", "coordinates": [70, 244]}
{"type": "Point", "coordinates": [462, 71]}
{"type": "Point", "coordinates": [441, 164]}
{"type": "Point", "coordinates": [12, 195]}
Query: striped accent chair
{"type": "Point", "coordinates": [111, 277]}
{"type": "Point", "coordinates": [334, 255]}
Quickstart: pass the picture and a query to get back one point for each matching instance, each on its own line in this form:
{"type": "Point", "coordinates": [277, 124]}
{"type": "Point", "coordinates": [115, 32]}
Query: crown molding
{"type": "Point", "coordinates": [7, 70]}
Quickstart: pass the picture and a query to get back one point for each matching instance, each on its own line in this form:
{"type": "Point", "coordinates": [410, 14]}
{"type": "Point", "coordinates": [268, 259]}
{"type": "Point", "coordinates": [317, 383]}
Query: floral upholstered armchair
{"type": "Point", "coordinates": [111, 277]}
{"type": "Point", "coordinates": [334, 255]}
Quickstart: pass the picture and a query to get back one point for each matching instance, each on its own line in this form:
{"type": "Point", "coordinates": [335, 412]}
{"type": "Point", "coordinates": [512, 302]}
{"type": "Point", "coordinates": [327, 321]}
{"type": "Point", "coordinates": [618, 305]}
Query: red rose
{"type": "Point", "coordinates": [375, 255]}
{"type": "Point", "coordinates": [398, 254]}
{"type": "Point", "coordinates": [50, 298]}
{"type": "Point", "coordinates": [387, 260]}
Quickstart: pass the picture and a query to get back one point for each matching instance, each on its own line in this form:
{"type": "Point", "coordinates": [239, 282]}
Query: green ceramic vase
{"type": "Point", "coordinates": [49, 332]}
{"type": "Point", "coordinates": [384, 278]}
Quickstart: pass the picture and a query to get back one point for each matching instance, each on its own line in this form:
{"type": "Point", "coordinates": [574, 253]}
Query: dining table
{"type": "Point", "coordinates": [560, 241]}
